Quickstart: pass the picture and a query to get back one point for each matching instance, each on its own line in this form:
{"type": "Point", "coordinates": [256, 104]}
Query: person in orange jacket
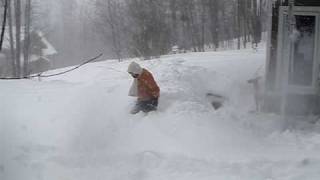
{"type": "Point", "coordinates": [145, 88]}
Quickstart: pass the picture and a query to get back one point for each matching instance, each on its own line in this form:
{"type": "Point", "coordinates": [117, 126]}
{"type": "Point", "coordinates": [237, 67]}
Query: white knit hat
{"type": "Point", "coordinates": [135, 68]}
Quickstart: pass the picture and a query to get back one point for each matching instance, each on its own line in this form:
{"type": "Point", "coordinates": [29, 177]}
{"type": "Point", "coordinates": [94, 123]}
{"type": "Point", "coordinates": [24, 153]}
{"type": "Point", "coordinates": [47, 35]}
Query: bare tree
{"type": "Point", "coordinates": [256, 23]}
{"type": "Point", "coordinates": [112, 21]}
{"type": "Point", "coordinates": [174, 22]}
{"type": "Point", "coordinates": [4, 22]}
{"type": "Point", "coordinates": [150, 36]}
{"type": "Point", "coordinates": [213, 11]}
{"type": "Point", "coordinates": [151, 27]}
{"type": "Point", "coordinates": [27, 39]}
{"type": "Point", "coordinates": [17, 5]}
{"type": "Point", "coordinates": [12, 48]}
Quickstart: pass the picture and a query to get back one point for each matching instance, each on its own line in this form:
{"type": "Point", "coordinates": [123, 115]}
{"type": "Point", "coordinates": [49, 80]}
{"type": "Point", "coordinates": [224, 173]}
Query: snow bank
{"type": "Point", "coordinates": [77, 126]}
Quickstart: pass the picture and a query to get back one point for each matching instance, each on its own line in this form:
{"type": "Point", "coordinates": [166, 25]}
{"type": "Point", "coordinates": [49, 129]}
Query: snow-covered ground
{"type": "Point", "coordinates": [77, 126]}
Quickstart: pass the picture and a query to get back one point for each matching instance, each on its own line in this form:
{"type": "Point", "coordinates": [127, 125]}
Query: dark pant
{"type": "Point", "coordinates": [145, 106]}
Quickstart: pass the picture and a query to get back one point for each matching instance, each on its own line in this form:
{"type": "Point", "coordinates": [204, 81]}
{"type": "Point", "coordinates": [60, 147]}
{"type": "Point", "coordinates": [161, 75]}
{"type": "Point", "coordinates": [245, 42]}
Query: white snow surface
{"type": "Point", "coordinates": [78, 127]}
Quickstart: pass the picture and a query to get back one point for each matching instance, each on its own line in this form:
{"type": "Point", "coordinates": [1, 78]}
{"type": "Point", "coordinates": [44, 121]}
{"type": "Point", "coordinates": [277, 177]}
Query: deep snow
{"type": "Point", "coordinates": [77, 126]}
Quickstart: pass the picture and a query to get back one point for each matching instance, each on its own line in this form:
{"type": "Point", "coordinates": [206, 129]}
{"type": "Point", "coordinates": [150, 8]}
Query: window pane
{"type": "Point", "coordinates": [301, 68]}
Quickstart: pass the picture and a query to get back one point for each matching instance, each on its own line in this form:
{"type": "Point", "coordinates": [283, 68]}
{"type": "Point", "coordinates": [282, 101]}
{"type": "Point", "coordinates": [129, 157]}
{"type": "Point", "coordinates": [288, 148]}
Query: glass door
{"type": "Point", "coordinates": [298, 66]}
{"type": "Point", "coordinates": [302, 64]}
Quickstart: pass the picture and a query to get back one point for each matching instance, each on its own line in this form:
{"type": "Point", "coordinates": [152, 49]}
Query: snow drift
{"type": "Point", "coordinates": [77, 126]}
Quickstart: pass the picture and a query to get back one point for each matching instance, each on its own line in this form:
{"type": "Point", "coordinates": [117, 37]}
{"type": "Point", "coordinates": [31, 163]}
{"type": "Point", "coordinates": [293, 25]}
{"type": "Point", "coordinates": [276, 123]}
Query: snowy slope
{"type": "Point", "coordinates": [77, 126]}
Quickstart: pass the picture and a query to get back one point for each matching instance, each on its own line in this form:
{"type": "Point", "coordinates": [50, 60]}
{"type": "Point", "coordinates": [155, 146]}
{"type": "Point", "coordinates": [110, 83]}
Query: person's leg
{"type": "Point", "coordinates": [154, 104]}
{"type": "Point", "coordinates": [137, 108]}
{"type": "Point", "coordinates": [150, 105]}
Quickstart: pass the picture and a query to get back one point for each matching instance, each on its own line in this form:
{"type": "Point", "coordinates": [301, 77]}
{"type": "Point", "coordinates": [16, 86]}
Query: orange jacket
{"type": "Point", "coordinates": [147, 86]}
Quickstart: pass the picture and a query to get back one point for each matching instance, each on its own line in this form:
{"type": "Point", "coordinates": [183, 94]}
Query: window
{"type": "Point", "coordinates": [299, 67]}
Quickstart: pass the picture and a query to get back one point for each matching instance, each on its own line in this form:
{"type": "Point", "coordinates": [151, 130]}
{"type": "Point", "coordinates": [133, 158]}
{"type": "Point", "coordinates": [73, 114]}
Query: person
{"type": "Point", "coordinates": [145, 88]}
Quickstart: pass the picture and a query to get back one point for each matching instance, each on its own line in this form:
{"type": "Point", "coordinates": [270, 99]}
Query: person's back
{"type": "Point", "coordinates": [147, 87]}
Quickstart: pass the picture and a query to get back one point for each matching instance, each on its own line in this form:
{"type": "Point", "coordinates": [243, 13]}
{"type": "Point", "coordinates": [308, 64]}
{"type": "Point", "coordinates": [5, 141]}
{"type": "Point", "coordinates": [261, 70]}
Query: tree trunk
{"type": "Point", "coordinates": [26, 52]}
{"type": "Point", "coordinates": [113, 19]}
{"type": "Point", "coordinates": [17, 5]}
{"type": "Point", "coordinates": [238, 24]}
{"type": "Point", "coordinates": [12, 49]}
{"type": "Point", "coordinates": [203, 25]}
{"type": "Point", "coordinates": [214, 23]}
{"type": "Point", "coordinates": [4, 22]}
{"type": "Point", "coordinates": [256, 24]}
{"type": "Point", "coordinates": [174, 30]}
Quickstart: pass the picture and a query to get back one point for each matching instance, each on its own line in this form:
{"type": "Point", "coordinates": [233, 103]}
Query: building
{"type": "Point", "coordinates": [292, 74]}
{"type": "Point", "coordinates": [41, 51]}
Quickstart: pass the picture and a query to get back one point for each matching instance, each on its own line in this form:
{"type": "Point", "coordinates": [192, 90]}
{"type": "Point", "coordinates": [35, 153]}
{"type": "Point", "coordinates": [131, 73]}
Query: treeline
{"type": "Point", "coordinates": [148, 28]}
{"type": "Point", "coordinates": [79, 29]}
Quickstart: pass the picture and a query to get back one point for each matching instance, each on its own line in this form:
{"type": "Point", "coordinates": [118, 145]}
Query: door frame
{"type": "Point", "coordinates": [282, 57]}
